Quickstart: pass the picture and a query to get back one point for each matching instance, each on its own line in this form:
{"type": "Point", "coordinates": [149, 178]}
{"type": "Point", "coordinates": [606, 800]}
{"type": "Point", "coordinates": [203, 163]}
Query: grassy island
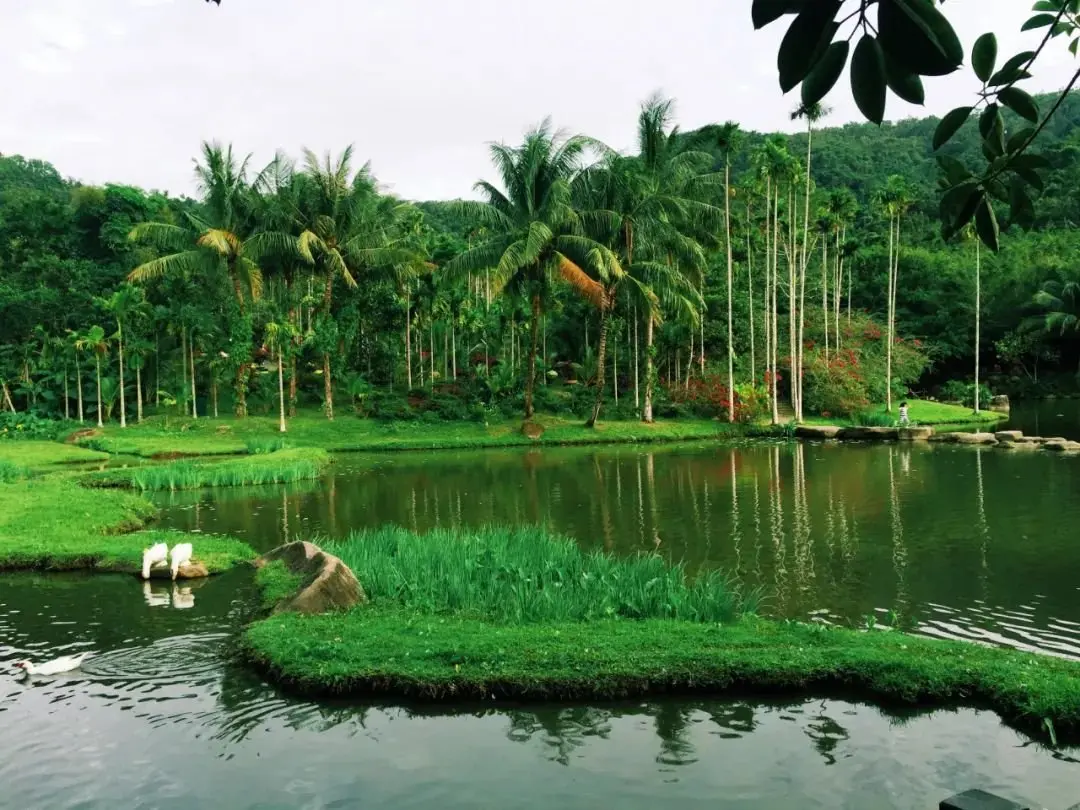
{"type": "Point", "coordinates": [521, 615]}
{"type": "Point", "coordinates": [53, 523]}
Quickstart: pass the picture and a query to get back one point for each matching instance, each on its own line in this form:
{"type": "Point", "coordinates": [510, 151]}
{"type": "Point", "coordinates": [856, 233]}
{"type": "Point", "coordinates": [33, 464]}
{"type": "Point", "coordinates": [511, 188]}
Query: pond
{"type": "Point", "coordinates": [1047, 417]}
{"type": "Point", "coordinates": [950, 541]}
{"type": "Point", "coordinates": [160, 717]}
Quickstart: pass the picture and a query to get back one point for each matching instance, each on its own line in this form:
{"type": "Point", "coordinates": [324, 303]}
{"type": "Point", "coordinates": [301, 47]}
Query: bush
{"type": "Point", "coordinates": [29, 426]}
{"type": "Point", "coordinates": [874, 419]}
{"type": "Point", "coordinates": [964, 393]}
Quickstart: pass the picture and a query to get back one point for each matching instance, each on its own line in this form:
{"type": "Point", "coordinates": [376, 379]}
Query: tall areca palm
{"type": "Point", "coordinates": [215, 241]}
{"type": "Point", "coordinates": [349, 230]}
{"type": "Point", "coordinates": [95, 341]}
{"type": "Point", "coordinates": [536, 236]}
{"type": "Point", "coordinates": [894, 200]}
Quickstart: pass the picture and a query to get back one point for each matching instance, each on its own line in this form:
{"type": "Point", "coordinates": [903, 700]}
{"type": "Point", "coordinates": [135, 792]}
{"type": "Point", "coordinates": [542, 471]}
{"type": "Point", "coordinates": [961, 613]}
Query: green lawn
{"type": "Point", "coordinates": [54, 523]}
{"type": "Point", "coordinates": [921, 412]}
{"type": "Point", "coordinates": [371, 651]}
{"type": "Point", "coordinates": [186, 437]}
{"type": "Point", "coordinates": [35, 454]}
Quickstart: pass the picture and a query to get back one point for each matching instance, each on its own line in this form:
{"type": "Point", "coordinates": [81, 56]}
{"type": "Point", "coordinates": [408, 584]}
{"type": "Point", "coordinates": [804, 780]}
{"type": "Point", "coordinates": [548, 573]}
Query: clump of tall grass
{"type": "Point", "coordinates": [528, 574]}
{"type": "Point", "coordinates": [282, 467]}
{"type": "Point", "coordinates": [874, 419]}
{"type": "Point", "coordinates": [260, 445]}
{"type": "Point", "coordinates": [9, 471]}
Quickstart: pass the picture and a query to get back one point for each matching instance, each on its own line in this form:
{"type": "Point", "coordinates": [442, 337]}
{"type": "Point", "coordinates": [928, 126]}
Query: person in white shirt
{"type": "Point", "coordinates": [904, 420]}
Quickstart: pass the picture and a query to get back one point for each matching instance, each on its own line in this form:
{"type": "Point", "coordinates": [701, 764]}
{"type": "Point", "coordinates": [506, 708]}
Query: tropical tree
{"type": "Point", "coordinates": [218, 241]}
{"type": "Point", "coordinates": [894, 200]}
{"type": "Point", "coordinates": [122, 305]}
{"type": "Point", "coordinates": [536, 236]}
{"type": "Point", "coordinates": [94, 340]}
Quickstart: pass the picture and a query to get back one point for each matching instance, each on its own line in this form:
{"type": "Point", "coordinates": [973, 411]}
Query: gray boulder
{"type": "Point", "coordinates": [1000, 404]}
{"type": "Point", "coordinates": [869, 434]}
{"type": "Point", "coordinates": [918, 433]}
{"type": "Point", "coordinates": [817, 431]}
{"type": "Point", "coordinates": [327, 584]}
{"type": "Point", "coordinates": [975, 438]}
{"type": "Point", "coordinates": [1009, 435]}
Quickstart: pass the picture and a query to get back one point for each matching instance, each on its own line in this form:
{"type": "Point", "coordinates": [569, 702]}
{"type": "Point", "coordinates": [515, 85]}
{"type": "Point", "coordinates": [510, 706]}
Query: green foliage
{"type": "Point", "coordinates": [964, 393]}
{"type": "Point", "coordinates": [25, 426]}
{"type": "Point", "coordinates": [276, 582]}
{"type": "Point", "coordinates": [528, 575]}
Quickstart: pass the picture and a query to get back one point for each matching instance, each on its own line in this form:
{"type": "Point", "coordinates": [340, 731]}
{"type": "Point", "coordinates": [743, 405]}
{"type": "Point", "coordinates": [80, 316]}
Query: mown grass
{"type": "Point", "coordinates": [53, 523]}
{"type": "Point", "coordinates": [42, 454]}
{"type": "Point", "coordinates": [384, 652]}
{"type": "Point", "coordinates": [281, 467]}
{"type": "Point", "coordinates": [527, 574]}
{"type": "Point", "coordinates": [920, 412]}
{"type": "Point", "coordinates": [160, 438]}
{"type": "Point", "coordinates": [276, 582]}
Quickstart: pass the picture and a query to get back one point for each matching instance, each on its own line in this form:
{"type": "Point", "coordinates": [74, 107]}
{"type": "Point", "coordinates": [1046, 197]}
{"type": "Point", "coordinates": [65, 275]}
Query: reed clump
{"type": "Point", "coordinates": [527, 574]}
{"type": "Point", "coordinates": [281, 467]}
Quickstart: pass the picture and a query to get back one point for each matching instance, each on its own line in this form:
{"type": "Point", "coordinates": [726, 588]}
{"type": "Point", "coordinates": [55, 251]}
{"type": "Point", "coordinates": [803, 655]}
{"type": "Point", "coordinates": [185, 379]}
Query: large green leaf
{"type": "Point", "coordinates": [868, 78]}
{"type": "Point", "coordinates": [987, 225]}
{"type": "Point", "coordinates": [805, 42]}
{"type": "Point", "coordinates": [1011, 71]}
{"type": "Point", "coordinates": [1020, 103]}
{"type": "Point", "coordinates": [949, 125]}
{"type": "Point", "coordinates": [984, 56]}
{"type": "Point", "coordinates": [764, 12]}
{"type": "Point", "coordinates": [918, 37]}
{"type": "Point", "coordinates": [823, 77]}
{"type": "Point", "coordinates": [903, 82]}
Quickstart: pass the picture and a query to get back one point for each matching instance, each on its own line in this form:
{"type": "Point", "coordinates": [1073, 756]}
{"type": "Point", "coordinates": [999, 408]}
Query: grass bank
{"type": "Point", "coordinates": [160, 437]}
{"type": "Point", "coordinates": [280, 467]}
{"type": "Point", "coordinates": [920, 412]}
{"type": "Point", "coordinates": [42, 454]}
{"type": "Point", "coordinates": [519, 614]}
{"type": "Point", "coordinates": [53, 523]}
{"type": "Point", "coordinates": [377, 651]}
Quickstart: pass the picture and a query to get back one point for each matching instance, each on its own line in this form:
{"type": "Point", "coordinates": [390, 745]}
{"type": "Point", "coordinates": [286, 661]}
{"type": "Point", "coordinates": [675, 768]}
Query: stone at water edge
{"type": "Point", "coordinates": [1009, 435]}
{"type": "Point", "coordinates": [328, 584]}
{"type": "Point", "coordinates": [916, 433]}
{"type": "Point", "coordinates": [872, 434]}
{"type": "Point", "coordinates": [999, 404]}
{"type": "Point", "coordinates": [975, 438]}
{"type": "Point", "coordinates": [1056, 445]}
{"type": "Point", "coordinates": [980, 800]}
{"type": "Point", "coordinates": [817, 431]}
{"type": "Point", "coordinates": [188, 570]}
{"type": "Point", "coordinates": [532, 430]}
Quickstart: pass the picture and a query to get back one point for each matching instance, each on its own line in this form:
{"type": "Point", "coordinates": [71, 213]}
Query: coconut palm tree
{"type": "Point", "coordinates": [349, 230]}
{"type": "Point", "coordinates": [219, 239]}
{"type": "Point", "coordinates": [536, 236]}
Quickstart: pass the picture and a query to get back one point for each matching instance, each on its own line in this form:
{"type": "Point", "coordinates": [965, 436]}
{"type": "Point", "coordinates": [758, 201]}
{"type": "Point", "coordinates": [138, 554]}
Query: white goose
{"type": "Point", "coordinates": [180, 554]}
{"type": "Point", "coordinates": [155, 556]}
{"type": "Point", "coordinates": [54, 667]}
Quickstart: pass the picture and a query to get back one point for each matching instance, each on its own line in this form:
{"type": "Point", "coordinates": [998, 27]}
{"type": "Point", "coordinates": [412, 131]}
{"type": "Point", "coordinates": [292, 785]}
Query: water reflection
{"type": "Point", "coordinates": [839, 532]}
{"type": "Point", "coordinates": [160, 716]}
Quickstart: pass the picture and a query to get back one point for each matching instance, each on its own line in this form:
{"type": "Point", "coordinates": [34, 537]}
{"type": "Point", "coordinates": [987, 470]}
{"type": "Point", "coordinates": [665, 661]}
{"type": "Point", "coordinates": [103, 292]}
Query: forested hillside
{"type": "Point", "coordinates": [616, 266]}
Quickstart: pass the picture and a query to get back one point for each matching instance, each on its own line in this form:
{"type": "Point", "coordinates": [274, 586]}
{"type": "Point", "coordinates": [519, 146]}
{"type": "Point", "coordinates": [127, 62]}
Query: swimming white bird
{"type": "Point", "coordinates": [180, 554]}
{"type": "Point", "coordinates": [153, 557]}
{"type": "Point", "coordinates": [54, 667]}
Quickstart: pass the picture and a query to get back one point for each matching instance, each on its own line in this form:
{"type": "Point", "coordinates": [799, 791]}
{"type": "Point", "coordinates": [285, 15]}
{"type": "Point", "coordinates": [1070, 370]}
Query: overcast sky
{"type": "Point", "coordinates": [125, 90]}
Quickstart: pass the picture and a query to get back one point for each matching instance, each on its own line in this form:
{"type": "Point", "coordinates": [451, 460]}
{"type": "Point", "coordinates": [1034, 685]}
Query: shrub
{"type": "Point", "coordinates": [964, 393]}
{"type": "Point", "coordinates": [10, 471]}
{"type": "Point", "coordinates": [31, 426]}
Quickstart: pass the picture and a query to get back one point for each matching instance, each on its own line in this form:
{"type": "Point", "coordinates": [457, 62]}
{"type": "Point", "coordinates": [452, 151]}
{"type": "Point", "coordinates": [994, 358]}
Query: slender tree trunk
{"type": "Point", "coordinates": [978, 319]}
{"type": "Point", "coordinates": [431, 359]}
{"type": "Point", "coordinates": [530, 383]}
{"type": "Point", "coordinates": [801, 342]}
{"type": "Point", "coordinates": [281, 392]}
{"type": "Point", "coordinates": [7, 396]}
{"type": "Point", "coordinates": [100, 422]}
{"type": "Point", "coordinates": [690, 359]}
{"type": "Point", "coordinates": [773, 305]}
{"type": "Point", "coordinates": [157, 370]}
{"type": "Point", "coordinates": [328, 388]}
{"type": "Point", "coordinates": [120, 345]}
{"type": "Point", "coordinates": [408, 338]}
{"type": "Point", "coordinates": [184, 388]}
{"type": "Point", "coordinates": [292, 386]}
{"type": "Point", "coordinates": [730, 293]}
{"type": "Point", "coordinates": [213, 395]}
{"type": "Point", "coordinates": [838, 287]}
{"type": "Point", "coordinates": [240, 387]}
{"type": "Point", "coordinates": [601, 353]}
{"type": "Point", "coordinates": [67, 396]}
{"type": "Point", "coordinates": [615, 369]}
{"type": "Point", "coordinates": [453, 348]}
{"type": "Point", "coordinates": [637, 363]}
{"type": "Point", "coordinates": [650, 370]}
{"type": "Point", "coordinates": [191, 355]}
{"type": "Point", "coordinates": [138, 393]}
{"type": "Point", "coordinates": [825, 292]}
{"type": "Point", "coordinates": [889, 316]}
{"type": "Point", "coordinates": [79, 389]}
{"type": "Point", "coordinates": [545, 351]}
{"type": "Point", "coordinates": [750, 299]}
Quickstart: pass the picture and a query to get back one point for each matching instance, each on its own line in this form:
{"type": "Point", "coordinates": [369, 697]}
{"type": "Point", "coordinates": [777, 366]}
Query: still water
{"type": "Point", "coordinates": [161, 717]}
{"type": "Point", "coordinates": [970, 543]}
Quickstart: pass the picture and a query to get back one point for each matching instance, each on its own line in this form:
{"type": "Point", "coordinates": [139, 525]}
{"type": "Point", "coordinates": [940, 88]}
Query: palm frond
{"type": "Point", "coordinates": [184, 264]}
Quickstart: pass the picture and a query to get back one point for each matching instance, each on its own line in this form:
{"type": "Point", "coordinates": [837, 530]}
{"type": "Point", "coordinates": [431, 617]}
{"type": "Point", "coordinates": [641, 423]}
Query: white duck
{"type": "Point", "coordinates": [155, 556]}
{"type": "Point", "coordinates": [180, 554]}
{"type": "Point", "coordinates": [54, 667]}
